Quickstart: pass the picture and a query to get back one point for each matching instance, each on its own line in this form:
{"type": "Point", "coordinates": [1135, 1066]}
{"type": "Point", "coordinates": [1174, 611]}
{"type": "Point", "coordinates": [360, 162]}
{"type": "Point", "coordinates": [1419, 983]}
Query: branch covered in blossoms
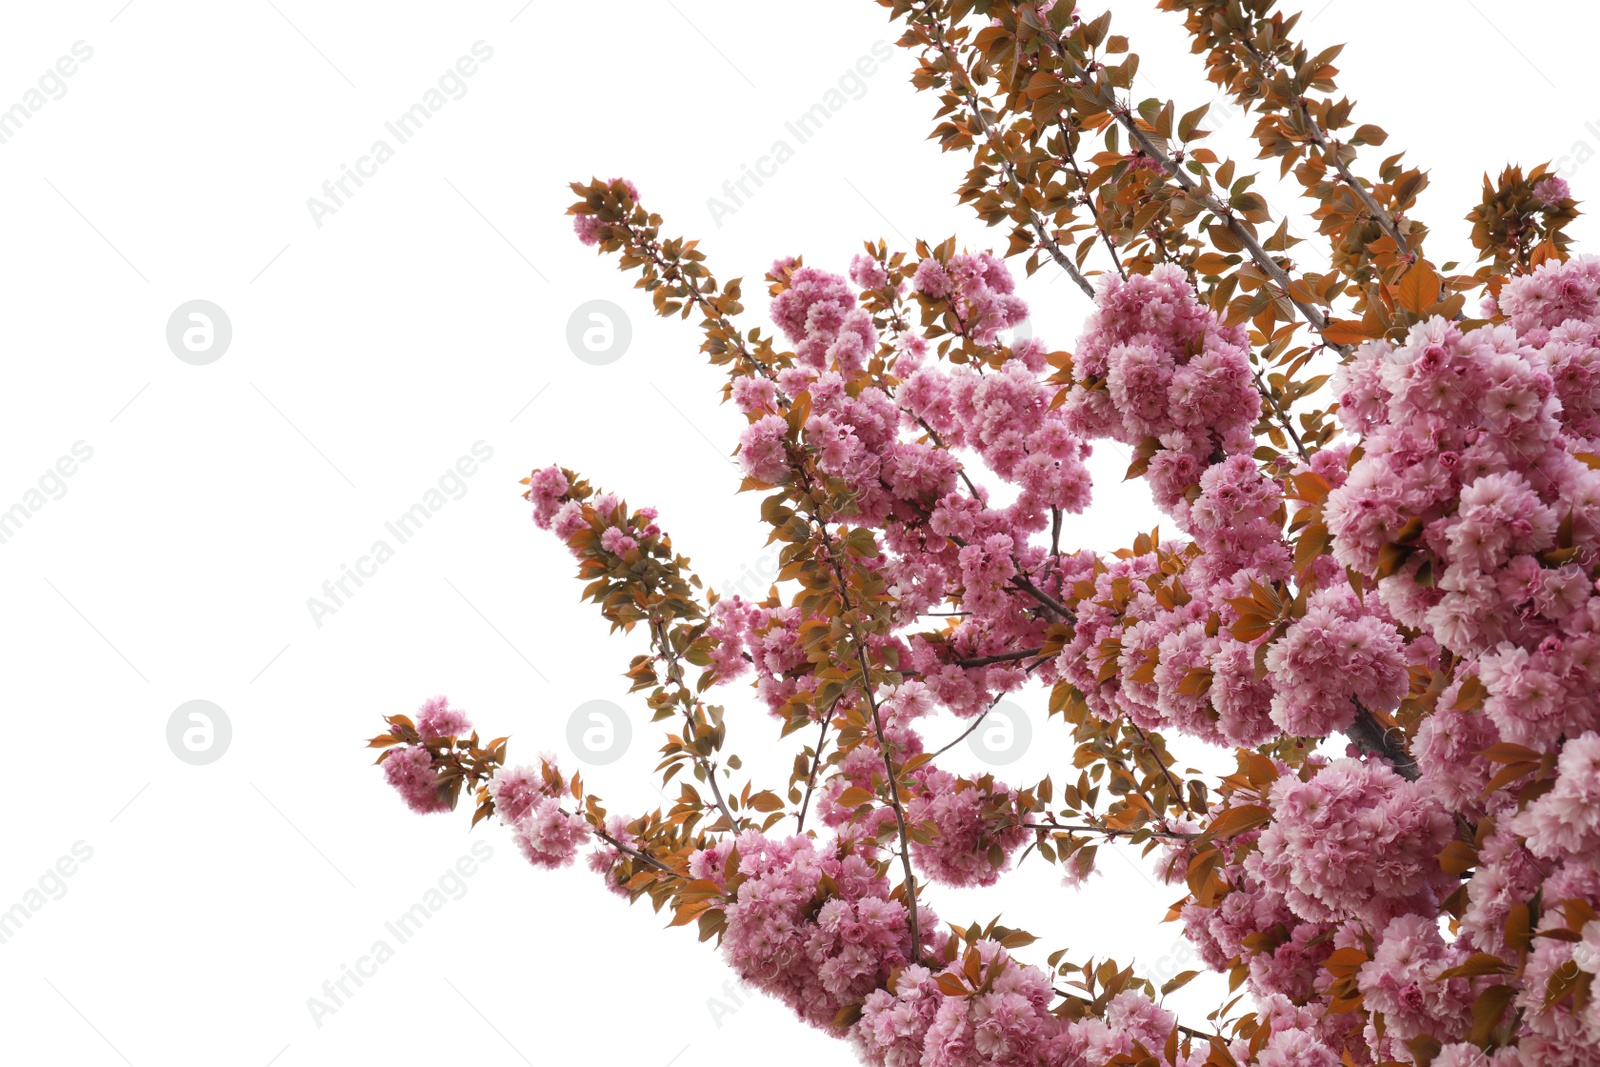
{"type": "Point", "coordinates": [1373, 613]}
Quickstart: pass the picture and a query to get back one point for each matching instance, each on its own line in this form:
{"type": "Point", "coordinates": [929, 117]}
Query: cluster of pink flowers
{"type": "Point", "coordinates": [515, 790]}
{"type": "Point", "coordinates": [895, 1020]}
{"type": "Point", "coordinates": [1404, 982]}
{"type": "Point", "coordinates": [604, 860]}
{"type": "Point", "coordinates": [1006, 418]}
{"type": "Point", "coordinates": [763, 449]}
{"type": "Point", "coordinates": [939, 541]}
{"type": "Point", "coordinates": [817, 312]}
{"type": "Point", "coordinates": [437, 719]}
{"type": "Point", "coordinates": [817, 959]}
{"type": "Point", "coordinates": [1507, 875]}
{"type": "Point", "coordinates": [1558, 1036]}
{"type": "Point", "coordinates": [1348, 862]}
{"type": "Point", "coordinates": [1236, 523]}
{"type": "Point", "coordinates": [547, 489]}
{"type": "Point", "coordinates": [1449, 750]}
{"type": "Point", "coordinates": [1477, 441]}
{"type": "Point", "coordinates": [974, 828]}
{"type": "Point", "coordinates": [915, 1023]}
{"type": "Point", "coordinates": [863, 768]}
{"type": "Point", "coordinates": [528, 799]}
{"type": "Point", "coordinates": [1006, 1022]}
{"type": "Point", "coordinates": [854, 436]}
{"type": "Point", "coordinates": [1343, 650]}
{"type": "Point", "coordinates": [1159, 370]}
{"type": "Point", "coordinates": [553, 510]}
{"type": "Point", "coordinates": [813, 924]}
{"type": "Point", "coordinates": [978, 289]}
{"type": "Point", "coordinates": [1125, 620]}
{"type": "Point", "coordinates": [1296, 1048]}
{"type": "Point", "coordinates": [1005, 1025]}
{"type": "Point", "coordinates": [1355, 841]}
{"type": "Point", "coordinates": [868, 273]}
{"type": "Point", "coordinates": [1564, 824]}
{"type": "Point", "coordinates": [548, 836]}
{"type": "Point", "coordinates": [410, 771]}
{"type": "Point", "coordinates": [1330, 873]}
{"type": "Point", "coordinates": [1290, 961]}
{"type": "Point", "coordinates": [1471, 437]}
{"type": "Point", "coordinates": [1551, 191]}
{"type": "Point", "coordinates": [747, 635]}
{"type": "Point", "coordinates": [1156, 363]}
{"type": "Point", "coordinates": [1464, 433]}
{"type": "Point", "coordinates": [410, 768]}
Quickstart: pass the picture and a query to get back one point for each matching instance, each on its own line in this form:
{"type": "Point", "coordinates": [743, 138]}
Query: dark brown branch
{"type": "Point", "coordinates": [1166, 835]}
{"type": "Point", "coordinates": [1060, 609]}
{"type": "Point", "coordinates": [999, 657]}
{"type": "Point", "coordinates": [1283, 416]}
{"type": "Point", "coordinates": [1372, 736]}
{"type": "Point", "coordinates": [811, 779]}
{"type": "Point", "coordinates": [643, 857]}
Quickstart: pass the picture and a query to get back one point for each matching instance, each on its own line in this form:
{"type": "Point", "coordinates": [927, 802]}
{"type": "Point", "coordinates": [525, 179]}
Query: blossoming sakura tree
{"type": "Point", "coordinates": [1378, 593]}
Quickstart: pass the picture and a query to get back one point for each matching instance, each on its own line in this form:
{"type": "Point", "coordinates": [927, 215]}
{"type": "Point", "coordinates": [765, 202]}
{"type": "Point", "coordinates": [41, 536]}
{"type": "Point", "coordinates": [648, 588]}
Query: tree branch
{"type": "Point", "coordinates": [1372, 736]}
{"type": "Point", "coordinates": [811, 779]}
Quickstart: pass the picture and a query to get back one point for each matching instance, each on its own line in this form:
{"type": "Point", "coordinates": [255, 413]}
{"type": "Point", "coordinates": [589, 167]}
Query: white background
{"type": "Point", "coordinates": [427, 314]}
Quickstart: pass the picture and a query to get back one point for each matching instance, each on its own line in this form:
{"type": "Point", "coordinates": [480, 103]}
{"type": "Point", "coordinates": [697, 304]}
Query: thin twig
{"type": "Point", "coordinates": [811, 779]}
{"type": "Point", "coordinates": [975, 108]}
{"type": "Point", "coordinates": [1000, 657]}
